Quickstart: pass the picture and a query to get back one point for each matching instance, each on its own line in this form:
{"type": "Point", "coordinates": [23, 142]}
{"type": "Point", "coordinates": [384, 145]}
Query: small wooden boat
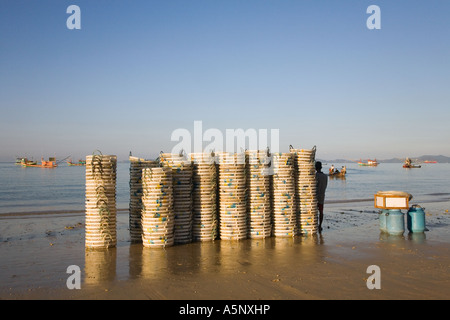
{"type": "Point", "coordinates": [408, 164]}
{"type": "Point", "coordinates": [25, 162]}
{"type": "Point", "coordinates": [79, 163]}
{"type": "Point", "coordinates": [337, 174]}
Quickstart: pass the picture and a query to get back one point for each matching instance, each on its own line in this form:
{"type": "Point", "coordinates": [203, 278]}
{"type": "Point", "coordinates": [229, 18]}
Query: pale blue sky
{"type": "Point", "coordinates": [138, 70]}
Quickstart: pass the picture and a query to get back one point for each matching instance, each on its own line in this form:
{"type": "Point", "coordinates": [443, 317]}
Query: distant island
{"type": "Point", "coordinates": [421, 159]}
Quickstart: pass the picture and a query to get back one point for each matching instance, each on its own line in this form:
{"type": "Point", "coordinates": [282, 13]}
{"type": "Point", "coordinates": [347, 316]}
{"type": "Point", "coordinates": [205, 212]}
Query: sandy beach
{"type": "Point", "coordinates": [37, 249]}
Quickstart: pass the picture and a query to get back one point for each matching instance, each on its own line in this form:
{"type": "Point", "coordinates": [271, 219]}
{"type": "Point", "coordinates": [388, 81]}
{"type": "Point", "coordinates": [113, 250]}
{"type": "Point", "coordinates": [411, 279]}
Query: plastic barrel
{"type": "Point", "coordinates": [395, 222]}
{"type": "Point", "coordinates": [383, 220]}
{"type": "Point", "coordinates": [416, 219]}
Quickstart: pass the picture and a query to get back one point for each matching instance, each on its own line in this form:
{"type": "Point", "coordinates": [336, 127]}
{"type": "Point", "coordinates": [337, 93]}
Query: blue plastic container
{"type": "Point", "coordinates": [395, 222]}
{"type": "Point", "coordinates": [415, 219]}
{"type": "Point", "coordinates": [383, 220]}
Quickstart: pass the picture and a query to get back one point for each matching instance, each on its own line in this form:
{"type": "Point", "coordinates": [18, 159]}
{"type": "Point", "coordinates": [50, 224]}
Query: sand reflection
{"type": "Point", "coordinates": [100, 266]}
{"type": "Point", "coordinates": [204, 258]}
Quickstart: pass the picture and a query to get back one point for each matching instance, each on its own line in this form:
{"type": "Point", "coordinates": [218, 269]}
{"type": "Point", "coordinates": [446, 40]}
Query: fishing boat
{"type": "Point", "coordinates": [337, 174]}
{"type": "Point", "coordinates": [332, 172]}
{"type": "Point", "coordinates": [79, 163]}
{"type": "Point", "coordinates": [369, 163]}
{"type": "Point", "coordinates": [51, 163]}
{"type": "Point", "coordinates": [25, 161]}
{"type": "Point", "coordinates": [430, 161]}
{"type": "Point", "coordinates": [408, 164]}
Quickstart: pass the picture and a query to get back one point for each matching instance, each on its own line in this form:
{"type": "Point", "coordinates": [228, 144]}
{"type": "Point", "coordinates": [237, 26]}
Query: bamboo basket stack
{"type": "Point", "coordinates": [101, 201]}
{"type": "Point", "coordinates": [284, 205]}
{"type": "Point", "coordinates": [157, 202]}
{"type": "Point", "coordinates": [308, 220]}
{"type": "Point", "coordinates": [136, 191]}
{"type": "Point", "coordinates": [182, 191]}
{"type": "Point", "coordinates": [204, 196]}
{"type": "Point", "coordinates": [179, 199]}
{"type": "Point", "coordinates": [232, 196]}
{"type": "Point", "coordinates": [259, 195]}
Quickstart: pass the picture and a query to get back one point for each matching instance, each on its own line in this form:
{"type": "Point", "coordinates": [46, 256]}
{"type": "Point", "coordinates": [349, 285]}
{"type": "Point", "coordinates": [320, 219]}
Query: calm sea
{"type": "Point", "coordinates": [62, 188]}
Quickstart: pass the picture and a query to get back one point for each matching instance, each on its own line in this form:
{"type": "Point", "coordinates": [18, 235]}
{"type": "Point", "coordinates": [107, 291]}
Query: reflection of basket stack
{"type": "Point", "coordinates": [306, 190]}
{"type": "Point", "coordinates": [205, 224]}
{"type": "Point", "coordinates": [284, 206]}
{"type": "Point", "coordinates": [182, 191]}
{"type": "Point", "coordinates": [136, 166]}
{"type": "Point", "coordinates": [99, 266]}
{"type": "Point", "coordinates": [101, 201]}
{"type": "Point", "coordinates": [232, 196]}
{"type": "Point", "coordinates": [157, 208]}
{"type": "Point", "coordinates": [259, 201]}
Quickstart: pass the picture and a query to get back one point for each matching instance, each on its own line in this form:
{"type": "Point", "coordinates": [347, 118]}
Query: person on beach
{"type": "Point", "coordinates": [322, 181]}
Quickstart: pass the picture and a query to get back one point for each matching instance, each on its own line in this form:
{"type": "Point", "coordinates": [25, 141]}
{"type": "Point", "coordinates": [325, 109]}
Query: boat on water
{"type": "Point", "coordinates": [79, 163]}
{"type": "Point", "coordinates": [50, 163]}
{"type": "Point", "coordinates": [334, 173]}
{"type": "Point", "coordinates": [409, 165]}
{"type": "Point", "coordinates": [430, 161]}
{"type": "Point", "coordinates": [25, 161]}
{"type": "Point", "coordinates": [369, 163]}
{"type": "Point", "coordinates": [337, 174]}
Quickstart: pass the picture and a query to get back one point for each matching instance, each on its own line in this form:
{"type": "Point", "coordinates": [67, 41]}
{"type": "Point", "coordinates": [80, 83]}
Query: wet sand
{"type": "Point", "coordinates": [37, 249]}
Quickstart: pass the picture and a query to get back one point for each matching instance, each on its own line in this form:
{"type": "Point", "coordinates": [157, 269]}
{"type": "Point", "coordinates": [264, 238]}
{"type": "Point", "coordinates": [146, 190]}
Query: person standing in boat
{"type": "Point", "coordinates": [322, 182]}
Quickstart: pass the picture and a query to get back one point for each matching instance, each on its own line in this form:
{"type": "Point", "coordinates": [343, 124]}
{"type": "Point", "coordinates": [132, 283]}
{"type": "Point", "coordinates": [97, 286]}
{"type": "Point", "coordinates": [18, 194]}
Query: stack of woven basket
{"type": "Point", "coordinates": [306, 190]}
{"type": "Point", "coordinates": [232, 196]}
{"type": "Point", "coordinates": [157, 204]}
{"type": "Point", "coordinates": [182, 191]}
{"type": "Point", "coordinates": [101, 201]}
{"type": "Point", "coordinates": [284, 205]}
{"type": "Point", "coordinates": [135, 207]}
{"type": "Point", "coordinates": [259, 194]}
{"type": "Point", "coordinates": [204, 195]}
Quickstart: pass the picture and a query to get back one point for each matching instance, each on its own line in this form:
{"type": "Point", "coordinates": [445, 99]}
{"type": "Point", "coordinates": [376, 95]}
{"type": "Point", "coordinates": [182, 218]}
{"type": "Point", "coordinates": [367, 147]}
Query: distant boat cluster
{"type": "Point", "coordinates": [50, 163]}
{"type": "Point", "coordinates": [407, 163]}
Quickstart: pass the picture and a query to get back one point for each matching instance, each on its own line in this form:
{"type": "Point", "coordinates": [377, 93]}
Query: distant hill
{"type": "Point", "coordinates": [393, 160]}
{"type": "Point", "coordinates": [421, 159]}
